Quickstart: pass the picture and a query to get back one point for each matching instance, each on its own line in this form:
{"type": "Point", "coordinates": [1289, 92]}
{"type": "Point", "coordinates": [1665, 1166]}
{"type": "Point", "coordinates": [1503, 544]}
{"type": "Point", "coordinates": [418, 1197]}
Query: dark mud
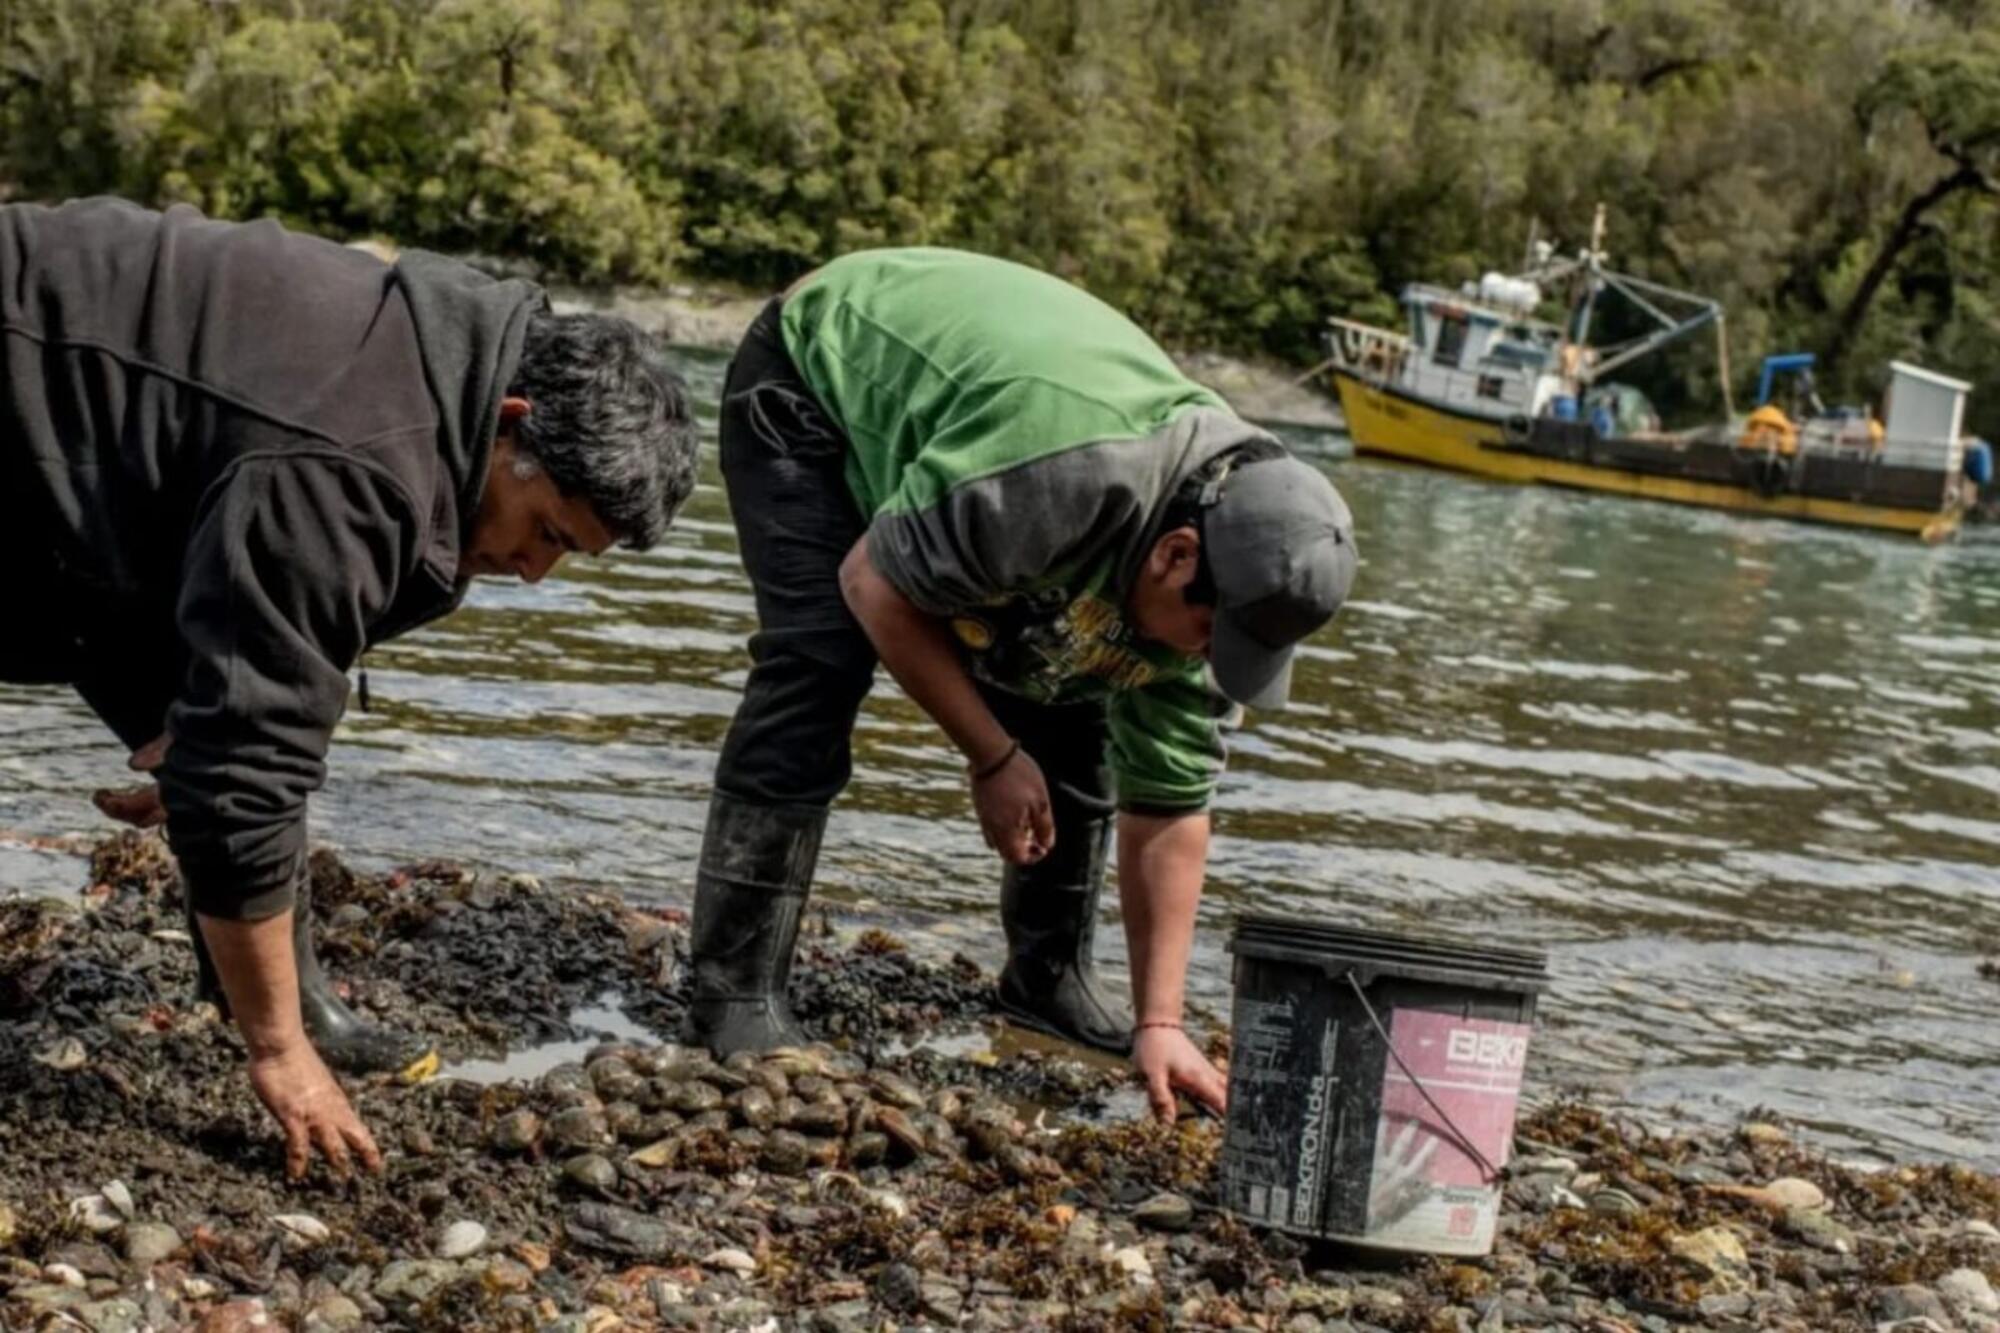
{"type": "Point", "coordinates": [875, 1181]}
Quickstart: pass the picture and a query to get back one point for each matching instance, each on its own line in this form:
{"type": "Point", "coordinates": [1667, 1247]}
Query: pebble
{"type": "Point", "coordinates": [1717, 1253]}
{"type": "Point", "coordinates": [591, 1172]}
{"type": "Point", "coordinates": [10, 1223]}
{"type": "Point", "coordinates": [1725, 1307]}
{"type": "Point", "coordinates": [1911, 1301]}
{"type": "Point", "coordinates": [120, 1198]}
{"type": "Point", "coordinates": [235, 1317]}
{"type": "Point", "coordinates": [413, 1281]}
{"type": "Point", "coordinates": [731, 1261]}
{"type": "Point", "coordinates": [579, 1127]}
{"type": "Point", "coordinates": [332, 1313]}
{"type": "Point", "coordinates": [1819, 1230]}
{"type": "Point", "coordinates": [1967, 1291]}
{"type": "Point", "coordinates": [112, 1316]}
{"type": "Point", "coordinates": [1971, 1227]}
{"type": "Point", "coordinates": [461, 1240]}
{"type": "Point", "coordinates": [146, 1243]}
{"type": "Point", "coordinates": [1760, 1135]}
{"type": "Point", "coordinates": [785, 1153]}
{"type": "Point", "coordinates": [942, 1300]}
{"type": "Point", "coordinates": [1133, 1263]}
{"type": "Point", "coordinates": [1792, 1192]}
{"type": "Point", "coordinates": [517, 1132]}
{"type": "Point", "coordinates": [95, 1214]}
{"type": "Point", "coordinates": [66, 1274]}
{"type": "Point", "coordinates": [899, 1287]}
{"type": "Point", "coordinates": [302, 1230]}
{"type": "Point", "coordinates": [1379, 1302]}
{"type": "Point", "coordinates": [1165, 1212]}
{"type": "Point", "coordinates": [616, 1230]}
{"type": "Point", "coordinates": [64, 1057]}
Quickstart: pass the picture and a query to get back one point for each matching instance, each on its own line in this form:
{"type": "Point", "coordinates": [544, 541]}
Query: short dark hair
{"type": "Point", "coordinates": [608, 420]}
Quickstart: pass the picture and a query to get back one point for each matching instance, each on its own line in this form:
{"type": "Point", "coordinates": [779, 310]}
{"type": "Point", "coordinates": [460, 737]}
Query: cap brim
{"type": "Point", "coordinates": [1246, 671]}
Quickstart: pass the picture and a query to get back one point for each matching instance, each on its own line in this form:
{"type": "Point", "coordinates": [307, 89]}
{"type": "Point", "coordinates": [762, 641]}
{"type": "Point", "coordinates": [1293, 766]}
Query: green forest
{"type": "Point", "coordinates": [1230, 171]}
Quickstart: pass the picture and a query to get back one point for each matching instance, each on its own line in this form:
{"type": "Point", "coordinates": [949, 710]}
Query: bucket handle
{"type": "Point", "coordinates": [1490, 1172]}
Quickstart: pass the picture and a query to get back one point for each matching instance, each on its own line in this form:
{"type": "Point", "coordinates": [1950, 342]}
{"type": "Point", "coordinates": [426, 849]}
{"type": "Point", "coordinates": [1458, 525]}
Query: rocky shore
{"type": "Point", "coordinates": [872, 1182]}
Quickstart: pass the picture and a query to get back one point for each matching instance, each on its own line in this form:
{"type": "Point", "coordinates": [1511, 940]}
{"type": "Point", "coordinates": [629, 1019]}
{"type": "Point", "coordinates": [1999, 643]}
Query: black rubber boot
{"type": "Point", "coordinates": [750, 892]}
{"type": "Point", "coordinates": [1049, 911]}
{"type": "Point", "coordinates": [346, 1041]}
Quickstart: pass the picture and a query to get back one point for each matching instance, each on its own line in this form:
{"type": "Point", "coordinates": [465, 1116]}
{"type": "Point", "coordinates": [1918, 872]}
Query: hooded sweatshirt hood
{"type": "Point", "coordinates": [470, 328]}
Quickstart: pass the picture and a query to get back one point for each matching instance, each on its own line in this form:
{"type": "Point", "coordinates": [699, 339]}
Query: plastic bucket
{"type": "Point", "coordinates": [1562, 407]}
{"type": "Point", "coordinates": [1373, 1080]}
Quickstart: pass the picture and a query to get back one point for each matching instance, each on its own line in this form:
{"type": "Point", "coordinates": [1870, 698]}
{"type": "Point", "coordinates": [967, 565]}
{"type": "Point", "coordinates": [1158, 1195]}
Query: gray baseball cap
{"type": "Point", "coordinates": [1280, 546]}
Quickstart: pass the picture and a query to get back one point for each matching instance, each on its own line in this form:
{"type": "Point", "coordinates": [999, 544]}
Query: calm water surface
{"type": "Point", "coordinates": [1742, 779]}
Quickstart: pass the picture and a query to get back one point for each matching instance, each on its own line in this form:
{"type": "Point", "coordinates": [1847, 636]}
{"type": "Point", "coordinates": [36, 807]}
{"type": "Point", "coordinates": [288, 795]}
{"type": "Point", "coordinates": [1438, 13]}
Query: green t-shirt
{"type": "Point", "coordinates": [1014, 444]}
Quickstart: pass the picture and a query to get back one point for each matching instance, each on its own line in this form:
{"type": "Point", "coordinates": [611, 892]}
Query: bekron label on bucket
{"type": "Point", "coordinates": [1431, 1187]}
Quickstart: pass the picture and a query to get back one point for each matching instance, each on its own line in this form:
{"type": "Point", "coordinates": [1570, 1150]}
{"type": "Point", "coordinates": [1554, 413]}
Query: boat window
{"type": "Point", "coordinates": [1451, 340]}
{"type": "Point", "coordinates": [1492, 386]}
{"type": "Point", "coordinates": [1516, 355]}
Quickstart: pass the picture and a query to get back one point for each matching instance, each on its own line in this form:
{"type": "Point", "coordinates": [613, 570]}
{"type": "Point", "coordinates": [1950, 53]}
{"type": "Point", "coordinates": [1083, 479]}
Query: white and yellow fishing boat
{"type": "Point", "coordinates": [1481, 384]}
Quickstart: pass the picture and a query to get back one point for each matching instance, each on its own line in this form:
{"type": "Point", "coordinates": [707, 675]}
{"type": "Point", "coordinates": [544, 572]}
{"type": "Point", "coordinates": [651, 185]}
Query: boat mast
{"type": "Point", "coordinates": [1593, 264]}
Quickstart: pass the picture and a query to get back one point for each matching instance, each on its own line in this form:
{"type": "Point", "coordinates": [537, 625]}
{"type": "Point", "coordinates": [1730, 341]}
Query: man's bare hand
{"type": "Point", "coordinates": [1013, 808]}
{"type": "Point", "coordinates": [1170, 1063]}
{"type": "Point", "coordinates": [138, 806]}
{"type": "Point", "coordinates": [309, 1106]}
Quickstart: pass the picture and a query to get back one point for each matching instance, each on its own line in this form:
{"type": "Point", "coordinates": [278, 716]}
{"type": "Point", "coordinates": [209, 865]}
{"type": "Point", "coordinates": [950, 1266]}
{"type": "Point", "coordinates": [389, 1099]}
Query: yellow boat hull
{"type": "Point", "coordinates": [1395, 425]}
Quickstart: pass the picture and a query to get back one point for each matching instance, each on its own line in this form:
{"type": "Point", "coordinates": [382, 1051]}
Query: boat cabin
{"type": "Point", "coordinates": [1483, 353]}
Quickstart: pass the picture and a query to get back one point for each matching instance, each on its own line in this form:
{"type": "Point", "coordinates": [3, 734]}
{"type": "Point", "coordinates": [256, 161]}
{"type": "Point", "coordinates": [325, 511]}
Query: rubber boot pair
{"type": "Point", "coordinates": [750, 893]}
{"type": "Point", "coordinates": [347, 1042]}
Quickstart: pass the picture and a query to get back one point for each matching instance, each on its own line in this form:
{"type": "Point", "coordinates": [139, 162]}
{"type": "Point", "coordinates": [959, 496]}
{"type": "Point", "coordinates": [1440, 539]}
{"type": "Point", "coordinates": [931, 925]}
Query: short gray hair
{"type": "Point", "coordinates": [608, 420]}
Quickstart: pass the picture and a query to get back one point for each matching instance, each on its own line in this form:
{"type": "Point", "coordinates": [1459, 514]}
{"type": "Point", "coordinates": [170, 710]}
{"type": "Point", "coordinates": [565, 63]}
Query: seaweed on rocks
{"type": "Point", "coordinates": [648, 1185]}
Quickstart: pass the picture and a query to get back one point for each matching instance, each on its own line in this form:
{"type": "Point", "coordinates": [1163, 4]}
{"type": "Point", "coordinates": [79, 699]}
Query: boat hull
{"type": "Point", "coordinates": [1383, 421]}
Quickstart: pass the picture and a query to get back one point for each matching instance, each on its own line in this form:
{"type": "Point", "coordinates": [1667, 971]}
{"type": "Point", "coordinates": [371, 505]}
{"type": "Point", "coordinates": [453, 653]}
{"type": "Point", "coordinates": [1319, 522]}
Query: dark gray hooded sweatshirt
{"type": "Point", "coordinates": [236, 458]}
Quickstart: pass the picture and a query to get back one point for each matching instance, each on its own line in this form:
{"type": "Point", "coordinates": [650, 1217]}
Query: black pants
{"type": "Point", "coordinates": [784, 460]}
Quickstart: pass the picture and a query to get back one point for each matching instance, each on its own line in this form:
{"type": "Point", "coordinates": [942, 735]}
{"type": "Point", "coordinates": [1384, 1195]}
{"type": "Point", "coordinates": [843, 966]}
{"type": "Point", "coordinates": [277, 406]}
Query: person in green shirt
{"type": "Point", "coordinates": [1074, 558]}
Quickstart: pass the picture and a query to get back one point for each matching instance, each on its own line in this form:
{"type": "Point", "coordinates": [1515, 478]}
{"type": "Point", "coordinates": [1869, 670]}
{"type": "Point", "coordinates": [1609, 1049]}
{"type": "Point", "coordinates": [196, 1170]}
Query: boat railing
{"type": "Point", "coordinates": [1371, 352]}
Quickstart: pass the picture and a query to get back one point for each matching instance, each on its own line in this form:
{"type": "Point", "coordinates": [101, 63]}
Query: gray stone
{"type": "Point", "coordinates": [42, 1298]}
{"type": "Point", "coordinates": [114, 1316]}
{"type": "Point", "coordinates": [941, 1299]}
{"type": "Point", "coordinates": [615, 1230]}
{"type": "Point", "coordinates": [1726, 1307]}
{"type": "Point", "coordinates": [899, 1287]}
{"type": "Point", "coordinates": [1911, 1301]}
{"type": "Point", "coordinates": [846, 1317]}
{"type": "Point", "coordinates": [1818, 1230]}
{"type": "Point", "coordinates": [146, 1243]}
{"type": "Point", "coordinates": [1165, 1212]}
{"type": "Point", "coordinates": [414, 1281]}
{"type": "Point", "coordinates": [1966, 1291]}
{"type": "Point", "coordinates": [743, 1312]}
{"type": "Point", "coordinates": [592, 1172]}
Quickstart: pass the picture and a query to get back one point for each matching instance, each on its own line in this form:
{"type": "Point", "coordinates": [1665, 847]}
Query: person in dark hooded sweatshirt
{"type": "Point", "coordinates": [1074, 558]}
{"type": "Point", "coordinates": [236, 458]}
